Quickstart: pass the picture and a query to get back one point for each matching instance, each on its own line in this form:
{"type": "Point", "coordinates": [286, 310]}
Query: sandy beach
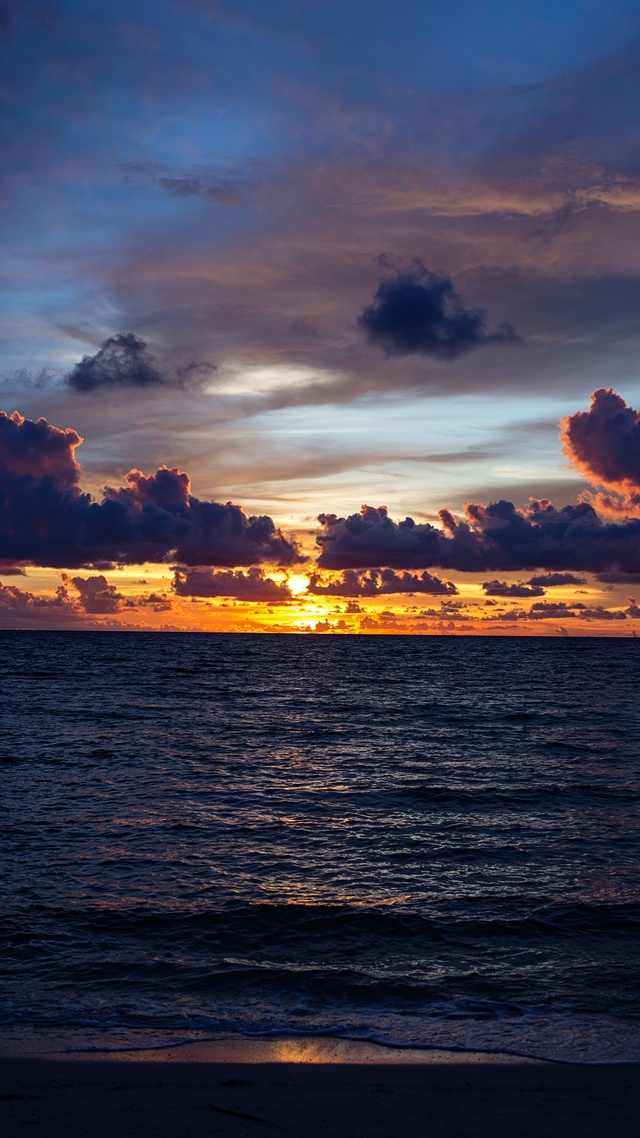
{"type": "Point", "coordinates": [306, 1089]}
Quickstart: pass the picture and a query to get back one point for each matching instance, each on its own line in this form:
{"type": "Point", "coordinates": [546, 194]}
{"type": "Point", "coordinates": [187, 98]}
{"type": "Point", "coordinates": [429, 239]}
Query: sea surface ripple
{"type": "Point", "coordinates": [415, 840]}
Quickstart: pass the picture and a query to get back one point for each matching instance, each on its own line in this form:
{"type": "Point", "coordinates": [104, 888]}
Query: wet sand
{"type": "Point", "coordinates": [312, 1089]}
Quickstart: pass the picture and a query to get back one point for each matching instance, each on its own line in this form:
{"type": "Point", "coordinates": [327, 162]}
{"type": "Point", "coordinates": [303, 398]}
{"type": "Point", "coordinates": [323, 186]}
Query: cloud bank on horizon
{"type": "Point", "coordinates": [46, 519]}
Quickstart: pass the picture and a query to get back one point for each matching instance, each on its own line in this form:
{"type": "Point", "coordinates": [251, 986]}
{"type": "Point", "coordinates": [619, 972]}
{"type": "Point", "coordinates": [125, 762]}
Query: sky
{"type": "Point", "coordinates": [320, 316]}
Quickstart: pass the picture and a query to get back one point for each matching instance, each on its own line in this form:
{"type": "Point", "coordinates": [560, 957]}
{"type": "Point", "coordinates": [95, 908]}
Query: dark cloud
{"type": "Point", "coordinates": [503, 589]}
{"type": "Point", "coordinates": [548, 580]}
{"type": "Point", "coordinates": [97, 596]}
{"type": "Point", "coordinates": [543, 609]}
{"type": "Point", "coordinates": [36, 450]}
{"type": "Point", "coordinates": [371, 539]}
{"type": "Point", "coordinates": [124, 361]}
{"type": "Point", "coordinates": [604, 442]}
{"type": "Point", "coordinates": [15, 602]}
{"type": "Point", "coordinates": [421, 312]}
{"type": "Point", "coordinates": [374, 582]}
{"type": "Point", "coordinates": [45, 519]}
{"type": "Point", "coordinates": [603, 614]}
{"type": "Point", "coordinates": [619, 578]}
{"type": "Point", "coordinates": [20, 608]}
{"type": "Point", "coordinates": [497, 537]}
{"type": "Point", "coordinates": [249, 586]}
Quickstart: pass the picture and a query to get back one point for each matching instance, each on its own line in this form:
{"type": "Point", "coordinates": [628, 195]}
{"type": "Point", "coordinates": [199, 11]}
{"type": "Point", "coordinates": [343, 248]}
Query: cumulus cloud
{"type": "Point", "coordinates": [549, 580]}
{"type": "Point", "coordinates": [20, 603]}
{"type": "Point", "coordinates": [503, 589]}
{"type": "Point", "coordinates": [125, 361]}
{"type": "Point", "coordinates": [250, 586]}
{"type": "Point", "coordinates": [37, 450]}
{"type": "Point", "coordinates": [599, 613]}
{"type": "Point", "coordinates": [374, 582]}
{"type": "Point", "coordinates": [497, 537]}
{"type": "Point", "coordinates": [122, 361]}
{"type": "Point", "coordinates": [46, 520]}
{"type": "Point", "coordinates": [543, 609]}
{"type": "Point", "coordinates": [96, 595]}
{"type": "Point", "coordinates": [421, 312]}
{"type": "Point", "coordinates": [604, 442]}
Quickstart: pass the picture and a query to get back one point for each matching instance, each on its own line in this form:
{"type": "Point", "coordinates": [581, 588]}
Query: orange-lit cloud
{"type": "Point", "coordinates": [375, 582]}
{"type": "Point", "coordinates": [250, 586]}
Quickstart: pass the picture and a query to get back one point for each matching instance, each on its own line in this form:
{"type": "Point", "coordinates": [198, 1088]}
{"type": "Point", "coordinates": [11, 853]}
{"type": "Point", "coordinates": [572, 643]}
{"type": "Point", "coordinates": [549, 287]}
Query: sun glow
{"type": "Point", "coordinates": [298, 583]}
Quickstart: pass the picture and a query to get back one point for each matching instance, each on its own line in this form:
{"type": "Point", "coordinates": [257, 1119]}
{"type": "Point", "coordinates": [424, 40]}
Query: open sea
{"type": "Point", "coordinates": [418, 841]}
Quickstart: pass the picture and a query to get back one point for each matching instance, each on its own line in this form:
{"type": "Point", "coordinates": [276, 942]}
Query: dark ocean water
{"type": "Point", "coordinates": [414, 840]}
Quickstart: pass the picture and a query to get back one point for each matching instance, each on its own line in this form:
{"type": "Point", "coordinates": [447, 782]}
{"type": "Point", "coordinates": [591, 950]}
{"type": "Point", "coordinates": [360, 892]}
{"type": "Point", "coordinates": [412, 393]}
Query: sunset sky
{"type": "Point", "coordinates": [321, 316]}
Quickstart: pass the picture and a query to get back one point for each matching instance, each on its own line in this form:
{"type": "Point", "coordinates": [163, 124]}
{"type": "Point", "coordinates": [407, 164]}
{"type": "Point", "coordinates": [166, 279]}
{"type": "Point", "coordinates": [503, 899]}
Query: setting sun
{"type": "Point", "coordinates": [298, 583]}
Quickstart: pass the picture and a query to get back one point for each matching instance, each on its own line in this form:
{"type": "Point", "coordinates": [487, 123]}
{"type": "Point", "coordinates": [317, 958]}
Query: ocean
{"type": "Point", "coordinates": [417, 841]}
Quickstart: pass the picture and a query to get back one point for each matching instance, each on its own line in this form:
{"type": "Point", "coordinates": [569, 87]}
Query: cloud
{"type": "Point", "coordinates": [374, 582]}
{"type": "Point", "coordinates": [20, 608]}
{"type": "Point", "coordinates": [47, 520]}
{"type": "Point", "coordinates": [599, 613]}
{"type": "Point", "coordinates": [503, 589]}
{"type": "Point", "coordinates": [346, 160]}
{"type": "Point", "coordinates": [421, 312]}
{"type": "Point", "coordinates": [497, 537]}
{"type": "Point", "coordinates": [542, 610]}
{"type": "Point", "coordinates": [604, 442]}
{"type": "Point", "coordinates": [37, 450]}
{"type": "Point", "coordinates": [371, 539]}
{"type": "Point", "coordinates": [619, 578]}
{"type": "Point", "coordinates": [124, 361]}
{"type": "Point", "coordinates": [549, 580]}
{"type": "Point", "coordinates": [96, 595]}
{"type": "Point", "coordinates": [20, 603]}
{"type": "Point", "coordinates": [249, 586]}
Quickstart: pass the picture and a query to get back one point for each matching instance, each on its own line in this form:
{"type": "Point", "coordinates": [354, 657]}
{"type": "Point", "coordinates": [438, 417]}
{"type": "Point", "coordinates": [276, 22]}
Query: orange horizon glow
{"type": "Point", "coordinates": [146, 601]}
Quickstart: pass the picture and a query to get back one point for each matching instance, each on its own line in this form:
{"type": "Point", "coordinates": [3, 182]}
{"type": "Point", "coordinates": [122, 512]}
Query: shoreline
{"type": "Point", "coordinates": [86, 1047]}
{"type": "Point", "coordinates": [312, 1089]}
{"type": "Point", "coordinates": [287, 1049]}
